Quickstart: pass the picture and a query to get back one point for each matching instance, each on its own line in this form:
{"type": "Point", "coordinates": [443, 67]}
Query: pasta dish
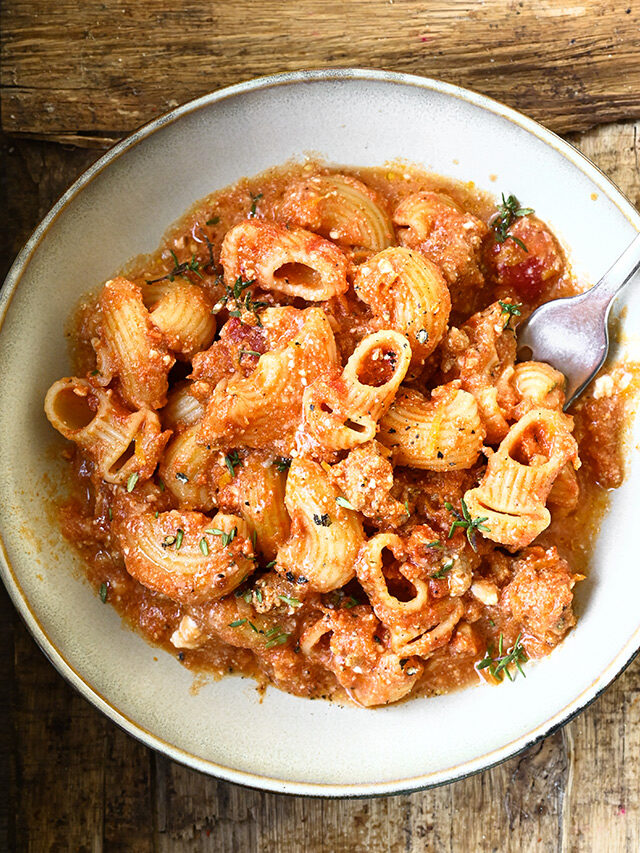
{"type": "Point", "coordinates": [303, 447]}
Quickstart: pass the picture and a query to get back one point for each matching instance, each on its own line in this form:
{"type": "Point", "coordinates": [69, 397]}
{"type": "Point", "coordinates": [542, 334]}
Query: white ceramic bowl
{"type": "Point", "coordinates": [119, 208]}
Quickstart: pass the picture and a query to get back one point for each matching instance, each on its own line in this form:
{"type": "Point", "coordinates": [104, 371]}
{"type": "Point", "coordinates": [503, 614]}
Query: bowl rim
{"type": "Point", "coordinates": [406, 785]}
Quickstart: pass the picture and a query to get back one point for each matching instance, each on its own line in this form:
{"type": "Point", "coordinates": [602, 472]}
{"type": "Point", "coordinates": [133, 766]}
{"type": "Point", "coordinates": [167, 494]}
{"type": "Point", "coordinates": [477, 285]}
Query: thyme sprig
{"type": "Point", "coordinates": [511, 309]}
{"type": "Point", "coordinates": [446, 567]}
{"type": "Point", "coordinates": [503, 663]}
{"type": "Point", "coordinates": [180, 269]}
{"type": "Point", "coordinates": [234, 293]}
{"type": "Point", "coordinates": [232, 461]}
{"type": "Point", "coordinates": [468, 524]}
{"type": "Point", "coordinates": [506, 215]}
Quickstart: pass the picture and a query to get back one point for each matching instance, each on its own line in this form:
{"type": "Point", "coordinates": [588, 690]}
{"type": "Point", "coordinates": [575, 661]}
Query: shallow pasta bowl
{"type": "Point", "coordinates": [118, 209]}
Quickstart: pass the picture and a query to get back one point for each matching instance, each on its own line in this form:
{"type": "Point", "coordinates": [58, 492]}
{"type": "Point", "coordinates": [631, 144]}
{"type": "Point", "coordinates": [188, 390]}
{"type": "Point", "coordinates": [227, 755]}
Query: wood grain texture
{"type": "Point", "coordinates": [77, 783]}
{"type": "Point", "coordinates": [88, 72]}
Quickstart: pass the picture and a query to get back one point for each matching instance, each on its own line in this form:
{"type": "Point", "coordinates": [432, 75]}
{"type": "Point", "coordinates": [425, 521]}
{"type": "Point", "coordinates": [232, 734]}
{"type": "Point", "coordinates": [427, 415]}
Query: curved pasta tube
{"type": "Point", "coordinates": [444, 433]}
{"type": "Point", "coordinates": [258, 492]}
{"type": "Point", "coordinates": [538, 385]}
{"type": "Point", "coordinates": [184, 555]}
{"type": "Point", "coordinates": [294, 262]}
{"type": "Point", "coordinates": [342, 412]}
{"type": "Point", "coordinates": [183, 314]}
{"type": "Point", "coordinates": [120, 442]}
{"type": "Point", "coordinates": [450, 612]}
{"type": "Point", "coordinates": [339, 207]}
{"type": "Point", "coordinates": [131, 347]}
{"type": "Point", "coordinates": [182, 409]}
{"type": "Point", "coordinates": [263, 409]}
{"type": "Point", "coordinates": [403, 618]}
{"type": "Point", "coordinates": [435, 225]}
{"type": "Point", "coordinates": [185, 468]}
{"type": "Point", "coordinates": [519, 476]}
{"type": "Point", "coordinates": [325, 538]}
{"type": "Point", "coordinates": [410, 295]}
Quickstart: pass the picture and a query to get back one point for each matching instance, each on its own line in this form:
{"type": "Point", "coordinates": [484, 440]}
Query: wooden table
{"type": "Point", "coordinates": [84, 73]}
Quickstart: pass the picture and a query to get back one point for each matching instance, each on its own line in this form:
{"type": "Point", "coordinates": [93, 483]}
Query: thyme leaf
{"type": "Point", "coordinates": [468, 524]}
{"type": "Point", "coordinates": [503, 663]}
{"type": "Point", "coordinates": [232, 461]}
{"type": "Point", "coordinates": [180, 269]}
{"type": "Point", "coordinates": [511, 309]}
{"type": "Point", "coordinates": [508, 211]}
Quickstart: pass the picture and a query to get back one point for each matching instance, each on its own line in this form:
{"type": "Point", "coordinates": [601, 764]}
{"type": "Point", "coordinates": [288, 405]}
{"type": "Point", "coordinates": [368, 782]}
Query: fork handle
{"type": "Point", "coordinates": [602, 294]}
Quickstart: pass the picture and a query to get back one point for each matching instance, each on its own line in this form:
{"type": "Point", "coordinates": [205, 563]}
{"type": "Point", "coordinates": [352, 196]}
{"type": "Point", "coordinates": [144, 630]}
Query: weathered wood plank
{"type": "Point", "coordinates": [112, 65]}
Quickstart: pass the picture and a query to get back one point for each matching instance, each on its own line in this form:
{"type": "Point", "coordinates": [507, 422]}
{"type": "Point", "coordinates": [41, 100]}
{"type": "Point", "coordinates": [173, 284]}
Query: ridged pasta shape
{"type": "Point", "coordinates": [409, 294]}
{"type": "Point", "coordinates": [259, 487]}
{"type": "Point", "coordinates": [341, 208]}
{"type": "Point", "coordinates": [120, 442]}
{"type": "Point", "coordinates": [325, 537]}
{"type": "Point", "coordinates": [403, 618]}
{"type": "Point", "coordinates": [263, 410]}
{"type": "Point", "coordinates": [131, 347]}
{"type": "Point", "coordinates": [290, 261]}
{"type": "Point", "coordinates": [342, 411]}
{"type": "Point", "coordinates": [182, 312]}
{"type": "Point", "coordinates": [182, 409]}
{"type": "Point", "coordinates": [538, 385]}
{"type": "Point", "coordinates": [444, 433]}
{"type": "Point", "coordinates": [450, 612]}
{"type": "Point", "coordinates": [184, 555]}
{"type": "Point", "coordinates": [512, 494]}
{"type": "Point", "coordinates": [185, 469]}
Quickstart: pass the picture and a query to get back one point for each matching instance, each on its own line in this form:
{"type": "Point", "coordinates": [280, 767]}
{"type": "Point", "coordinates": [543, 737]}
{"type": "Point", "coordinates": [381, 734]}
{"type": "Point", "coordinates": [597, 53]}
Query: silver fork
{"type": "Point", "coordinates": [572, 334]}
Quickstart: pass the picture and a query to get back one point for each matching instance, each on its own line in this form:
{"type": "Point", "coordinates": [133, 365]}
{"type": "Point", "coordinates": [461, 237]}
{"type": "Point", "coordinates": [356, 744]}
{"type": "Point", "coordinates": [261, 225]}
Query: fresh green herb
{"type": "Point", "coordinates": [213, 221]}
{"type": "Point", "coordinates": [491, 622]}
{"type": "Point", "coordinates": [232, 461]}
{"type": "Point", "coordinates": [503, 662]}
{"type": "Point", "coordinates": [343, 502]}
{"type": "Point", "coordinates": [212, 262]}
{"type": "Point", "coordinates": [506, 215]}
{"type": "Point", "coordinates": [270, 565]}
{"type": "Point", "coordinates": [103, 592]}
{"type": "Point", "coordinates": [406, 506]}
{"type": "Point", "coordinates": [435, 544]}
{"type": "Point", "coordinates": [511, 309]}
{"type": "Point", "coordinates": [156, 514]}
{"type": "Point", "coordinates": [234, 294]}
{"type": "Point", "coordinates": [469, 525]}
{"type": "Point", "coordinates": [204, 546]}
{"type": "Point", "coordinates": [227, 538]}
{"type": "Point", "coordinates": [350, 602]}
{"type": "Point", "coordinates": [292, 602]}
{"type": "Point", "coordinates": [182, 477]}
{"type": "Point", "coordinates": [446, 567]}
{"type": "Point", "coordinates": [247, 595]}
{"type": "Point", "coordinates": [237, 623]}
{"type": "Point", "coordinates": [254, 201]}
{"type": "Point", "coordinates": [253, 628]}
{"type": "Point", "coordinates": [95, 372]}
{"type": "Point", "coordinates": [277, 639]}
{"type": "Point", "coordinates": [131, 482]}
{"type": "Point", "coordinates": [179, 269]}
{"type": "Point", "coordinates": [259, 596]}
{"type": "Point", "coordinates": [161, 484]}
{"type": "Point", "coordinates": [110, 513]}
{"type": "Point", "coordinates": [248, 352]}
{"type": "Point", "coordinates": [179, 538]}
{"type": "Point", "coordinates": [282, 464]}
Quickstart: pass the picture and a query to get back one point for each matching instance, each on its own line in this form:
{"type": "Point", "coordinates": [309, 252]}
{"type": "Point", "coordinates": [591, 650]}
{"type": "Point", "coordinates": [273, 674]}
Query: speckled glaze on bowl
{"type": "Point", "coordinates": [120, 208]}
